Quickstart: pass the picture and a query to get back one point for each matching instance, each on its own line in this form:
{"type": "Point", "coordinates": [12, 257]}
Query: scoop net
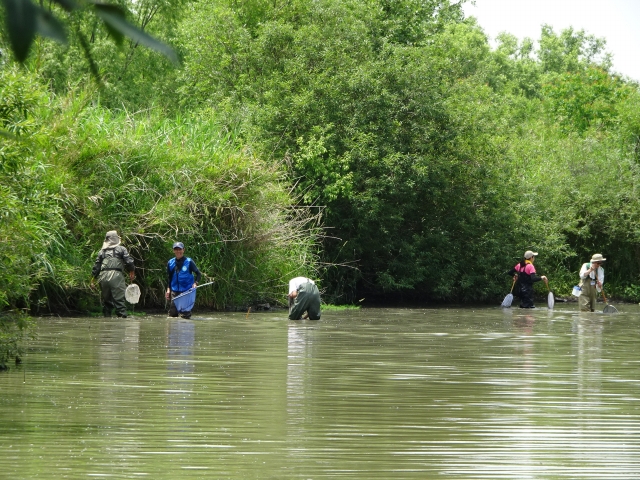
{"type": "Point", "coordinates": [506, 303]}
{"type": "Point", "coordinates": [132, 293]}
{"type": "Point", "coordinates": [186, 300]}
{"type": "Point", "coordinates": [551, 300]}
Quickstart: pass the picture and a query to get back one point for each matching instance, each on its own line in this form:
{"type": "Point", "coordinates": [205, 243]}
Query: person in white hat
{"type": "Point", "coordinates": [525, 275]}
{"type": "Point", "coordinates": [591, 280]}
{"type": "Point", "coordinates": [109, 268]}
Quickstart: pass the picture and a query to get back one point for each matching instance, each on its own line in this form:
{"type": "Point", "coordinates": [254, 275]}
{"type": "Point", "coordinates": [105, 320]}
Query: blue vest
{"type": "Point", "coordinates": [182, 280]}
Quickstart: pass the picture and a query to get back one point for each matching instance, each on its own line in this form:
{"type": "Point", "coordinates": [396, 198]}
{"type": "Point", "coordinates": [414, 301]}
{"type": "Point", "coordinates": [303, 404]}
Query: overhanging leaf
{"type": "Point", "coordinates": [49, 26]}
{"type": "Point", "coordinates": [7, 135]}
{"type": "Point", "coordinates": [68, 5]}
{"type": "Point", "coordinates": [105, 11]}
{"type": "Point", "coordinates": [114, 18]}
{"type": "Point", "coordinates": [21, 25]}
{"type": "Point", "coordinates": [93, 68]}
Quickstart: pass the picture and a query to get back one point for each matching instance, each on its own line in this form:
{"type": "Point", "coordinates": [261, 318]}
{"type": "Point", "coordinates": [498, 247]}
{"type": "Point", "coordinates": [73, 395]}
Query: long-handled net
{"type": "Point", "coordinates": [551, 299]}
{"type": "Point", "coordinates": [132, 295]}
{"type": "Point", "coordinates": [186, 300]}
{"type": "Point", "coordinates": [506, 303]}
{"type": "Point", "coordinates": [608, 308]}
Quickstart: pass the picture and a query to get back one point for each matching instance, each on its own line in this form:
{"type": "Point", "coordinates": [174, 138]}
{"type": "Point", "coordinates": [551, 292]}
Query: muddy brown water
{"type": "Point", "coordinates": [375, 393]}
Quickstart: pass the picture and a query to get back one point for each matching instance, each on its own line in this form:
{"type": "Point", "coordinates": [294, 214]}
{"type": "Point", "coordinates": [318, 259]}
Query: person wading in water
{"type": "Point", "coordinates": [525, 275]}
{"type": "Point", "coordinates": [182, 275]}
{"type": "Point", "coordinates": [109, 268]}
{"type": "Point", "coordinates": [591, 280]}
{"type": "Point", "coordinates": [304, 296]}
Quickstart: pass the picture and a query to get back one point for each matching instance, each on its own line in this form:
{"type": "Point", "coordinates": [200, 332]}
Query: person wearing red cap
{"type": "Point", "coordinates": [525, 275]}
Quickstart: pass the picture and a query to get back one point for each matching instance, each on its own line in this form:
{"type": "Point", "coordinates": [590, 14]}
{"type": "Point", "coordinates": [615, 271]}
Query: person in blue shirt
{"type": "Point", "coordinates": [182, 274]}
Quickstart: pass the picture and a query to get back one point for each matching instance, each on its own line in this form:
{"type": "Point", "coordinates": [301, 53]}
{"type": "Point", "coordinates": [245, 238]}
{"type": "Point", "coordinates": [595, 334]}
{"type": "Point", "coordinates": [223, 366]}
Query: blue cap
{"type": "Point", "coordinates": [179, 245]}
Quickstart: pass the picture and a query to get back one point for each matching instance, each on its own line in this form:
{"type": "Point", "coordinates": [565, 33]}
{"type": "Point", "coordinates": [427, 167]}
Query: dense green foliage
{"type": "Point", "coordinates": [435, 160]}
{"type": "Point", "coordinates": [80, 171]}
{"type": "Point", "coordinates": [439, 161]}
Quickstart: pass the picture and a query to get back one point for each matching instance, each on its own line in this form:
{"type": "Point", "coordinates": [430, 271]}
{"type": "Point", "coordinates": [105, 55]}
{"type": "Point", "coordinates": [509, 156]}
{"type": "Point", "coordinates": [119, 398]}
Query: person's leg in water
{"type": "Point", "coordinates": [173, 311]}
{"type": "Point", "coordinates": [587, 299]}
{"type": "Point", "coordinates": [118, 287]}
{"type": "Point", "coordinates": [107, 299]}
{"type": "Point", "coordinates": [313, 309]}
{"type": "Point", "coordinates": [526, 296]}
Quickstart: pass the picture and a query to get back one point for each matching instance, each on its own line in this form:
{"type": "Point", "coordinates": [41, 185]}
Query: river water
{"type": "Point", "coordinates": [375, 393]}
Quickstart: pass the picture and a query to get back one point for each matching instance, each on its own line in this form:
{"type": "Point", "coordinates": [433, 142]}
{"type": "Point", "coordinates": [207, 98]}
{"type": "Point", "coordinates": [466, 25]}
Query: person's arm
{"type": "Point", "coordinates": [195, 272]}
{"type": "Point", "coordinates": [531, 271]}
{"type": "Point", "coordinates": [536, 278]}
{"type": "Point", "coordinates": [129, 265]}
{"type": "Point", "coordinates": [584, 271]}
{"type": "Point", "coordinates": [97, 266]}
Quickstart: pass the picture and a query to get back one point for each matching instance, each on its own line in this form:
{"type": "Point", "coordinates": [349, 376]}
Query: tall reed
{"type": "Point", "coordinates": [154, 180]}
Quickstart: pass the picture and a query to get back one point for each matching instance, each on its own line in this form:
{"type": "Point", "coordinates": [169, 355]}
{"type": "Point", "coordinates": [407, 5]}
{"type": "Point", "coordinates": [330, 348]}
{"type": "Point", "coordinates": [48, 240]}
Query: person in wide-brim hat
{"type": "Point", "coordinates": [111, 239]}
{"type": "Point", "coordinates": [109, 269]}
{"type": "Point", "coordinates": [591, 280]}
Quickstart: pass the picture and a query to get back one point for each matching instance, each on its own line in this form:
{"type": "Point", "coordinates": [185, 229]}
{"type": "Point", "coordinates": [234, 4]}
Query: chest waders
{"type": "Point", "coordinates": [307, 300]}
{"type": "Point", "coordinates": [112, 284]}
{"type": "Point", "coordinates": [524, 288]}
{"type": "Point", "coordinates": [587, 298]}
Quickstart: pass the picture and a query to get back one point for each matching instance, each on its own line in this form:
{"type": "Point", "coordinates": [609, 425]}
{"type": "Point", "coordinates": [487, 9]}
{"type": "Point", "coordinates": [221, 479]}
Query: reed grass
{"type": "Point", "coordinates": [87, 170]}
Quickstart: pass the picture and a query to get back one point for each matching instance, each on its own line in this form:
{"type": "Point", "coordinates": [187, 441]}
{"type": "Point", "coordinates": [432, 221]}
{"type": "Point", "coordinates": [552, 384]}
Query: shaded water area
{"type": "Point", "coordinates": [375, 393]}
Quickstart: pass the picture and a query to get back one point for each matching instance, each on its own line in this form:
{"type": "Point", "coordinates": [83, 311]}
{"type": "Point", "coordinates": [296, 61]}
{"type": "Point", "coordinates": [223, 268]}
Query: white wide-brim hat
{"type": "Point", "coordinates": [111, 239]}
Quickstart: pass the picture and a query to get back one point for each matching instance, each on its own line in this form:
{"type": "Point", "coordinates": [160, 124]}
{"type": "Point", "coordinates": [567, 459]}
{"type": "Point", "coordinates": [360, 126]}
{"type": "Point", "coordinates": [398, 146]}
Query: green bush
{"type": "Point", "coordinates": [154, 180]}
{"type": "Point", "coordinates": [632, 293]}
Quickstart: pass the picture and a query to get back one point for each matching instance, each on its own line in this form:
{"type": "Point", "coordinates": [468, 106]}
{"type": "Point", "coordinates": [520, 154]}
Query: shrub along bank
{"type": "Point", "coordinates": [75, 170]}
{"type": "Point", "coordinates": [438, 160]}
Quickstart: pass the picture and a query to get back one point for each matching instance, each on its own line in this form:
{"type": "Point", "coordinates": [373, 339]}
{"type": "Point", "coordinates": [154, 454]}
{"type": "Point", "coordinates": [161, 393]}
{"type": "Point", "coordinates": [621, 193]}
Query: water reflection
{"type": "Point", "coordinates": [587, 344]}
{"type": "Point", "coordinates": [300, 364]}
{"type": "Point", "coordinates": [181, 337]}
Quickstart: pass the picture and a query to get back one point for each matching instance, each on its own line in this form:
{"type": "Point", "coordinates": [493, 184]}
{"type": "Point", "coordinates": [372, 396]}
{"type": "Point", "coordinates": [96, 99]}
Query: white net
{"type": "Point", "coordinates": [132, 293]}
{"type": "Point", "coordinates": [551, 300]}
